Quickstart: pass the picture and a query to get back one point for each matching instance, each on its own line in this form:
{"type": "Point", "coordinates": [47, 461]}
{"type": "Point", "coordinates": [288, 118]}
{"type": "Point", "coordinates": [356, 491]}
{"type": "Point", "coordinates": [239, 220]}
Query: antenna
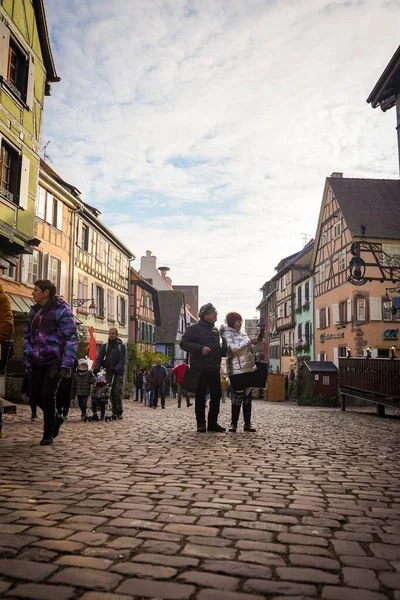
{"type": "Point", "coordinates": [306, 238]}
{"type": "Point", "coordinates": [46, 157]}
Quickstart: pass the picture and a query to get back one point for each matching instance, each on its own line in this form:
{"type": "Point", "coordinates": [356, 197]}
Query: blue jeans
{"type": "Point", "coordinates": [82, 402]}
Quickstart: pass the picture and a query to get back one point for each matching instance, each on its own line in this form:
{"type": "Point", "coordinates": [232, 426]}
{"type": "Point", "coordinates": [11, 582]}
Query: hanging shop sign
{"type": "Point", "coordinates": [391, 334]}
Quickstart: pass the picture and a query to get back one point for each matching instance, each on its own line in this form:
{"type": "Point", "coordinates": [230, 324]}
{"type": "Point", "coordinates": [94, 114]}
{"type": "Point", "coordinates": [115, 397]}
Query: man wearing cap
{"type": "Point", "coordinates": [202, 342]}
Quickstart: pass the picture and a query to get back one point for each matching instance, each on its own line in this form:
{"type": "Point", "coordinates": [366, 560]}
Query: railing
{"type": "Point", "coordinates": [375, 375]}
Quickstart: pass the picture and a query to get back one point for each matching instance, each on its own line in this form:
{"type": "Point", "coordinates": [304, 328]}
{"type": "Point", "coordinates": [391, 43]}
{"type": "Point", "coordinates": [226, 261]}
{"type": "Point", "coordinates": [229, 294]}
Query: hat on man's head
{"type": "Point", "coordinates": [206, 309]}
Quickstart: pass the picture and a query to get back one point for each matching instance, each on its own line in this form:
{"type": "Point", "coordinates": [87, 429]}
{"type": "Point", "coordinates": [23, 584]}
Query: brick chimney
{"type": "Point", "coordinates": [337, 175]}
{"type": "Point", "coordinates": [164, 271]}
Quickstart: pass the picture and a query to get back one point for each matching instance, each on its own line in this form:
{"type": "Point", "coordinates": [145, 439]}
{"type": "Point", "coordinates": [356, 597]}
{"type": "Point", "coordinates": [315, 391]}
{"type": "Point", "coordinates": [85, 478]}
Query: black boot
{"type": "Point", "coordinates": [59, 420]}
{"type": "Point", "coordinates": [47, 437]}
{"type": "Point", "coordinates": [247, 415]}
{"type": "Point", "coordinates": [235, 417]}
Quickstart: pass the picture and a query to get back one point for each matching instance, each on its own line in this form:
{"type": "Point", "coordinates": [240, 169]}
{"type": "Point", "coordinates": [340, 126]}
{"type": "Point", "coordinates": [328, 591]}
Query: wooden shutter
{"type": "Point", "coordinates": [24, 185]}
{"type": "Point", "coordinates": [375, 309]}
{"type": "Point", "coordinates": [25, 259]}
{"type": "Point", "coordinates": [119, 309]}
{"type": "Point", "coordinates": [4, 49]}
{"type": "Point", "coordinates": [59, 215]}
{"type": "Point", "coordinates": [335, 313]}
{"type": "Point", "coordinates": [327, 316]}
{"type": "Point", "coordinates": [63, 278]}
{"type": "Point", "coordinates": [30, 90]}
{"type": "Point", "coordinates": [317, 319]}
{"type": "Point", "coordinates": [79, 233]}
{"type": "Point", "coordinates": [40, 203]}
{"type": "Point", "coordinates": [349, 311]}
{"type": "Point", "coordinates": [49, 208]}
{"type": "Point", "coordinates": [336, 356]}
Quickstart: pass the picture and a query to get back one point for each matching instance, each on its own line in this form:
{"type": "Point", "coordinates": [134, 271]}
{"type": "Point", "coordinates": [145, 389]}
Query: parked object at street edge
{"type": "Point", "coordinates": [178, 373]}
{"type": "Point", "coordinates": [6, 330]}
{"type": "Point", "coordinates": [159, 378]}
{"type": "Point", "coordinates": [51, 343]}
{"type": "Point", "coordinates": [202, 341]}
{"type": "Point", "coordinates": [240, 366]}
{"type": "Point", "coordinates": [112, 358]}
{"type": "Point", "coordinates": [81, 385]}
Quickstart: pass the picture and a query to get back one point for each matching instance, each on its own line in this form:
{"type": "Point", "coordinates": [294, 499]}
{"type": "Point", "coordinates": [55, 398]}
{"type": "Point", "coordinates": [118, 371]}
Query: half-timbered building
{"type": "Point", "coordinates": [348, 316]}
{"type": "Point", "coordinates": [144, 313]}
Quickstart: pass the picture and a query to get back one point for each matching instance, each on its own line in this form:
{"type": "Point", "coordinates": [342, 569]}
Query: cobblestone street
{"type": "Point", "coordinates": [309, 506]}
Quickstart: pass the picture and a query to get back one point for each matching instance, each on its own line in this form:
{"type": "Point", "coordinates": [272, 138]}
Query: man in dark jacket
{"type": "Point", "coordinates": [159, 378]}
{"type": "Point", "coordinates": [139, 386]}
{"type": "Point", "coordinates": [50, 346]}
{"type": "Point", "coordinates": [112, 358]}
{"type": "Point", "coordinates": [202, 342]}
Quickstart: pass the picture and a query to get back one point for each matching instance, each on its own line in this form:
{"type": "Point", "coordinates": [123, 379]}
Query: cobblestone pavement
{"type": "Point", "coordinates": [309, 506]}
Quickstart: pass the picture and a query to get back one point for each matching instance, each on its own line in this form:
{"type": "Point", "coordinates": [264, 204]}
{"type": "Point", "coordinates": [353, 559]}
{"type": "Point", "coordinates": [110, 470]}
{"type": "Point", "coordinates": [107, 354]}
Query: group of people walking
{"type": "Point", "coordinates": [54, 375]}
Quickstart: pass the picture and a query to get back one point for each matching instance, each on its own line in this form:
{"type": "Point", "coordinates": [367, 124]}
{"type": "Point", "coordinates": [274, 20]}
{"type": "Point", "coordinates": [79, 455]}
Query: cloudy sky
{"type": "Point", "coordinates": [204, 129]}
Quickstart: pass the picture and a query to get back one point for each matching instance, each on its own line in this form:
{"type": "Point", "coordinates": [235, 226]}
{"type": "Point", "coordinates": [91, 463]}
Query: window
{"type": "Point", "coordinates": [110, 305]}
{"type": "Point", "coordinates": [9, 172]}
{"type": "Point", "coordinates": [342, 260]}
{"type": "Point", "coordinates": [383, 353]}
{"type": "Point", "coordinates": [322, 273]}
{"type": "Point", "coordinates": [53, 270]}
{"type": "Point", "coordinates": [100, 248]}
{"type": "Point", "coordinates": [33, 268]}
{"type": "Point", "coordinates": [361, 309]}
{"type": "Point", "coordinates": [322, 357]}
{"type": "Point", "coordinates": [325, 380]}
{"type": "Point", "coordinates": [307, 333]}
{"type": "Point", "coordinates": [121, 310]}
{"type": "Point", "coordinates": [299, 332]}
{"type": "Point", "coordinates": [84, 239]}
{"type": "Point", "coordinates": [323, 318]}
{"type": "Point", "coordinates": [342, 352]}
{"type": "Point", "coordinates": [337, 229]}
{"type": "Point", "coordinates": [17, 71]}
{"type": "Point", "coordinates": [387, 314]}
{"type": "Point", "coordinates": [299, 296]}
{"type": "Point", "coordinates": [123, 266]}
{"type": "Point", "coordinates": [10, 272]}
{"type": "Point", "coordinates": [40, 206]}
{"type": "Point", "coordinates": [49, 208]}
{"type": "Point", "coordinates": [83, 294]}
{"type": "Point", "coordinates": [343, 312]}
{"type": "Point", "coordinates": [99, 300]}
{"type": "Point", "coordinates": [307, 292]}
{"type": "Point", "coordinates": [111, 258]}
{"type": "Point", "coordinates": [283, 283]}
{"type": "Point", "coordinates": [324, 239]}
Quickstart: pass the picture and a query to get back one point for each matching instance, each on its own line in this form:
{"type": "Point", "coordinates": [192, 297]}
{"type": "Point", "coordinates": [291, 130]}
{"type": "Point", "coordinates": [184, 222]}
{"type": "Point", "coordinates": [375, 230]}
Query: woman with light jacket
{"type": "Point", "coordinates": [240, 364]}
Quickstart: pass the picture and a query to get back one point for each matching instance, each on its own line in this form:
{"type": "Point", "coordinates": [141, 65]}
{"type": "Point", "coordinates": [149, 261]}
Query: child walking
{"type": "Point", "coordinates": [101, 391]}
{"type": "Point", "coordinates": [81, 384]}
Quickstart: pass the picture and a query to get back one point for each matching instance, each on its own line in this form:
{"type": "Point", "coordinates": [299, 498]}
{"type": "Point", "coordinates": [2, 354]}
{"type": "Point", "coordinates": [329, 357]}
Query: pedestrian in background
{"type": "Point", "coordinates": [50, 346]}
{"type": "Point", "coordinates": [6, 330]}
{"type": "Point", "coordinates": [81, 385]}
{"type": "Point", "coordinates": [139, 385]}
{"type": "Point", "coordinates": [112, 358]}
{"type": "Point", "coordinates": [202, 341]}
{"type": "Point", "coordinates": [159, 379]}
{"type": "Point", "coordinates": [147, 388]}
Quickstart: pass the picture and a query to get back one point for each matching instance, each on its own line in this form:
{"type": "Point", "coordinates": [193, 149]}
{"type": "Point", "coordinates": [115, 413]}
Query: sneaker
{"type": "Point", "coordinates": [57, 425]}
{"type": "Point", "coordinates": [216, 428]}
{"type": "Point", "coordinates": [202, 429]}
{"type": "Point", "coordinates": [46, 441]}
{"type": "Point", "coordinates": [83, 417]}
{"type": "Point", "coordinates": [233, 428]}
{"type": "Point", "coordinates": [34, 418]}
{"type": "Point", "coordinates": [188, 405]}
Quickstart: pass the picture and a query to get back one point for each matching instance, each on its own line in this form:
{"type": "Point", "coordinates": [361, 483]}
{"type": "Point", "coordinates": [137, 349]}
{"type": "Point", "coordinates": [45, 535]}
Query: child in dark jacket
{"type": "Point", "coordinates": [100, 396]}
{"type": "Point", "coordinates": [81, 384]}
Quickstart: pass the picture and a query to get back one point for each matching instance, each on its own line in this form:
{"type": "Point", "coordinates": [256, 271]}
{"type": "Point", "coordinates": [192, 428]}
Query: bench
{"type": "Point", "coordinates": [380, 401]}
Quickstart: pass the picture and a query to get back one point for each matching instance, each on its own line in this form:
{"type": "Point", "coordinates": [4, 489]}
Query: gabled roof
{"type": "Point", "coordinates": [171, 303]}
{"type": "Point", "coordinates": [316, 366]}
{"type": "Point", "coordinates": [38, 6]}
{"type": "Point", "coordinates": [374, 203]}
{"type": "Point", "coordinates": [388, 85]}
{"type": "Point", "coordinates": [290, 261]}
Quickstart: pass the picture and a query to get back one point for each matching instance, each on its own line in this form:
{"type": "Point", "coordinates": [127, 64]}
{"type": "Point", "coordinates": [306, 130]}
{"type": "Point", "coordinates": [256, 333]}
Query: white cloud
{"type": "Point", "coordinates": [265, 98]}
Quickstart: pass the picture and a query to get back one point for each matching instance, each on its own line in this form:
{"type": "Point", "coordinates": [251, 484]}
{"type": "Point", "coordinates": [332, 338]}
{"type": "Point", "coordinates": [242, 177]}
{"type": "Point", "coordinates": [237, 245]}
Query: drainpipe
{"type": "Point", "coordinates": [398, 125]}
{"type": "Point", "coordinates": [72, 252]}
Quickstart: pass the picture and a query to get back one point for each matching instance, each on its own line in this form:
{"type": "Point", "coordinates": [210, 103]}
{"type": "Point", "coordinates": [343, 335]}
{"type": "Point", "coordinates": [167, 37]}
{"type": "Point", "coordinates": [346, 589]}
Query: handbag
{"type": "Point", "coordinates": [260, 375]}
{"type": "Point", "coordinates": [190, 378]}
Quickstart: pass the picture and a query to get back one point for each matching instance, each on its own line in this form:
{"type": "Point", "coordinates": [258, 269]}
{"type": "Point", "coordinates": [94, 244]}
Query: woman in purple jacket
{"type": "Point", "coordinates": [51, 343]}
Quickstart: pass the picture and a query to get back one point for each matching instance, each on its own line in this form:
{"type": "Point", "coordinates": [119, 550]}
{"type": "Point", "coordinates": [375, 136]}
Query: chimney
{"type": "Point", "coordinates": [337, 175]}
{"type": "Point", "coordinates": [164, 271]}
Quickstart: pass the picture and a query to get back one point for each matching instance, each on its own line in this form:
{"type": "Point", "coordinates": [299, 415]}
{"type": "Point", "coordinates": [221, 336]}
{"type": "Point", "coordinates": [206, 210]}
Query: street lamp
{"type": "Point", "coordinates": [391, 303]}
{"type": "Point", "coordinates": [368, 351]}
{"type": "Point", "coordinates": [393, 351]}
{"type": "Point", "coordinates": [78, 302]}
{"type": "Point", "coordinates": [348, 350]}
